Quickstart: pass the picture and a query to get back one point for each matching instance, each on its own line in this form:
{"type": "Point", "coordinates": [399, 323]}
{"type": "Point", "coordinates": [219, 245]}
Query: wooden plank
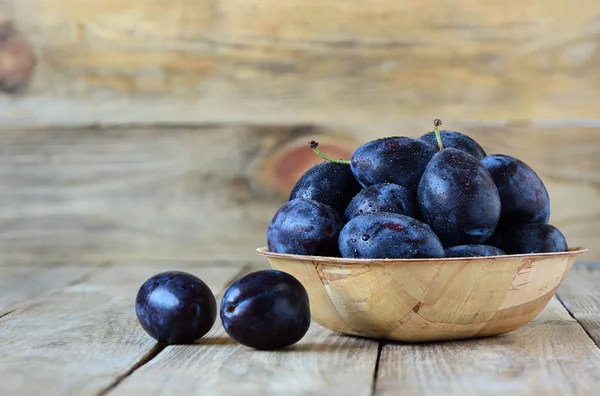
{"type": "Point", "coordinates": [209, 193]}
{"type": "Point", "coordinates": [183, 194]}
{"type": "Point", "coordinates": [551, 356]}
{"type": "Point", "coordinates": [322, 363]}
{"type": "Point", "coordinates": [580, 292]}
{"type": "Point", "coordinates": [203, 61]}
{"type": "Point", "coordinates": [79, 341]}
{"type": "Point", "coordinates": [21, 284]}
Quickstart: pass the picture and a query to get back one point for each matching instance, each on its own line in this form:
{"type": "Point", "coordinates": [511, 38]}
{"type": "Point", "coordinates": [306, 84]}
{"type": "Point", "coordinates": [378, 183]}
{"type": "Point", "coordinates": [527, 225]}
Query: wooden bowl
{"type": "Point", "coordinates": [415, 300]}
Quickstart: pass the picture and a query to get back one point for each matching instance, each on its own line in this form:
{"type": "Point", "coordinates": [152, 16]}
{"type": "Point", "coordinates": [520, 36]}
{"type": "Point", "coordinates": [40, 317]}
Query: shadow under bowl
{"type": "Point", "coordinates": [416, 300]}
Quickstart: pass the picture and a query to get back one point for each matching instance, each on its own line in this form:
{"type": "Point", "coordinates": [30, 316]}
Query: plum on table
{"type": "Point", "coordinates": [175, 307]}
{"type": "Point", "coordinates": [266, 309]}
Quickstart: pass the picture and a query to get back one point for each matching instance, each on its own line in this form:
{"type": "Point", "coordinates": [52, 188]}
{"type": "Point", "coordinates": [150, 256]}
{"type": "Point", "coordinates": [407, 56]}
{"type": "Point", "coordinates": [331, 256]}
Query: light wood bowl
{"type": "Point", "coordinates": [414, 300]}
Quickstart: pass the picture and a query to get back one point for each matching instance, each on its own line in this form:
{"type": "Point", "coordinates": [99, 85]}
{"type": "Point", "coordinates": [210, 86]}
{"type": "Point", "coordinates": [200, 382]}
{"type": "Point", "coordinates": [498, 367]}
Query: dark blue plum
{"type": "Point", "coordinates": [474, 251]}
{"type": "Point", "coordinates": [329, 183]}
{"type": "Point", "coordinates": [458, 199]}
{"type": "Point", "coordinates": [303, 226]}
{"type": "Point", "coordinates": [530, 238]}
{"type": "Point", "coordinates": [266, 310]}
{"type": "Point", "coordinates": [175, 307]}
{"type": "Point", "coordinates": [457, 140]}
{"type": "Point", "coordinates": [398, 160]}
{"type": "Point", "coordinates": [523, 194]}
{"type": "Point", "coordinates": [384, 197]}
{"type": "Point", "coordinates": [388, 235]}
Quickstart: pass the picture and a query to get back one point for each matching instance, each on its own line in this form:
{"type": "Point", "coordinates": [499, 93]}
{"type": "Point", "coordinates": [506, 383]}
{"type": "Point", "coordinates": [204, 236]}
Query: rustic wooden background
{"type": "Point", "coordinates": [173, 130]}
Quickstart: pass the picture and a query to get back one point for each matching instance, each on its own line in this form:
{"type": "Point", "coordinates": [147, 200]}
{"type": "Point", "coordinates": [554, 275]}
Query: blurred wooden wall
{"type": "Point", "coordinates": [174, 129]}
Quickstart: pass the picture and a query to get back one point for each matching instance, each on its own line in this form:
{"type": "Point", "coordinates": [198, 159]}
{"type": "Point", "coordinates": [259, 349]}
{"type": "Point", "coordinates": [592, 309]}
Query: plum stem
{"type": "Point", "coordinates": [436, 127]}
{"type": "Point", "coordinates": [315, 147]}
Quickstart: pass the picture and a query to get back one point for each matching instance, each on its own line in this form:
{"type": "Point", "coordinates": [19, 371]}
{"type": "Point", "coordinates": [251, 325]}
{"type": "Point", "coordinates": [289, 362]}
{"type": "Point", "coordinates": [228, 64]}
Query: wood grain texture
{"type": "Point", "coordinates": [82, 339]}
{"type": "Point", "coordinates": [19, 285]}
{"type": "Point", "coordinates": [208, 193]}
{"type": "Point", "coordinates": [416, 300]}
{"type": "Point", "coordinates": [580, 293]}
{"type": "Point", "coordinates": [551, 356]}
{"type": "Point", "coordinates": [184, 194]}
{"type": "Point", "coordinates": [200, 61]}
{"type": "Point", "coordinates": [321, 363]}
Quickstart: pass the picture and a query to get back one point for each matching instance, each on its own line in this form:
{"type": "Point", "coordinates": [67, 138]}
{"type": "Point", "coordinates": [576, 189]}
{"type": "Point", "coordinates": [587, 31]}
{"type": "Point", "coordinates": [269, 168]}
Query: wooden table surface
{"type": "Point", "coordinates": [68, 329]}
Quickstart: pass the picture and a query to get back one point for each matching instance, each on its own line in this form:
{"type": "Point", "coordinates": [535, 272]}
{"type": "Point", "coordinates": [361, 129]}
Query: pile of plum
{"type": "Point", "coordinates": [436, 196]}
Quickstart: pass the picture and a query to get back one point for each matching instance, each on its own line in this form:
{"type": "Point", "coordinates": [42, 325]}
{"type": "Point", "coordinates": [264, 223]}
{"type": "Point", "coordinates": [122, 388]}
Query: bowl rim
{"type": "Point", "coordinates": [263, 251]}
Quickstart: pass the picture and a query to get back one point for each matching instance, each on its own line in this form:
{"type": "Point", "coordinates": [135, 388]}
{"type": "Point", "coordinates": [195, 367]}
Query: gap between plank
{"type": "Point", "coordinates": [376, 370]}
{"type": "Point", "coordinates": [151, 354]}
{"type": "Point", "coordinates": [159, 347]}
{"type": "Point", "coordinates": [8, 313]}
{"type": "Point", "coordinates": [577, 320]}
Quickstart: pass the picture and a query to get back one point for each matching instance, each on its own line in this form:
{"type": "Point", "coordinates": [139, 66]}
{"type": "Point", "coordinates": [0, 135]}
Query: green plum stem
{"type": "Point", "coordinates": [438, 136]}
{"type": "Point", "coordinates": [315, 147]}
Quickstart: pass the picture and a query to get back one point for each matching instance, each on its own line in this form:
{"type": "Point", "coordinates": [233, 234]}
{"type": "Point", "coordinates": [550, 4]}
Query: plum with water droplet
{"type": "Point", "coordinates": [388, 235]}
{"type": "Point", "coordinates": [329, 183]}
{"type": "Point", "coordinates": [384, 197]}
{"type": "Point", "coordinates": [459, 199]}
{"type": "Point", "coordinates": [304, 226]}
{"type": "Point", "coordinates": [457, 140]}
{"type": "Point", "coordinates": [397, 160]}
{"type": "Point", "coordinates": [522, 192]}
